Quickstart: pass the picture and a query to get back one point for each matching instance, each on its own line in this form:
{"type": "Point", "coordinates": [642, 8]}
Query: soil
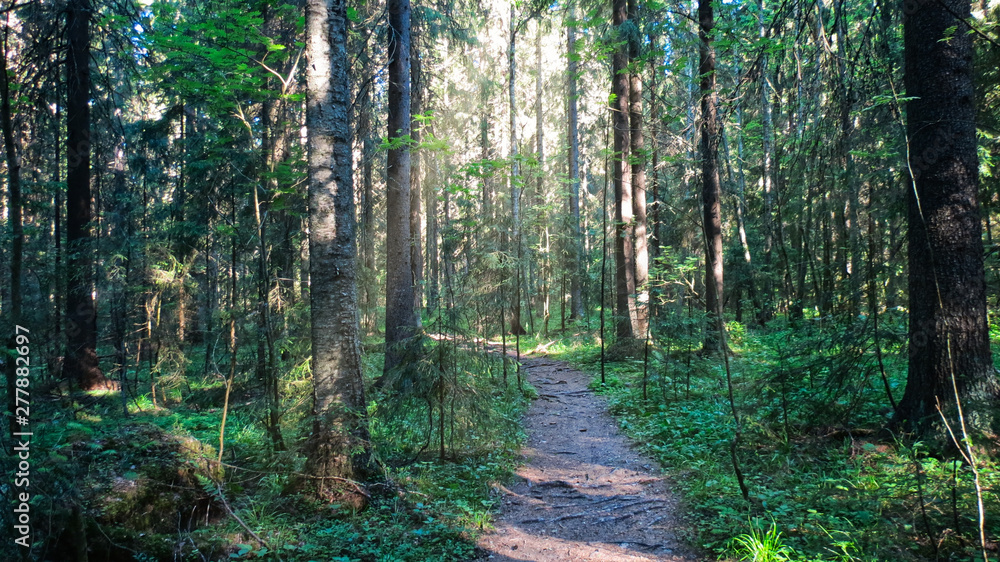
{"type": "Point", "coordinates": [583, 493]}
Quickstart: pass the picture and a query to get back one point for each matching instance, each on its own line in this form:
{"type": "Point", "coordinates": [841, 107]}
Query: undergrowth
{"type": "Point", "coordinates": [147, 486]}
{"type": "Point", "coordinates": [827, 479]}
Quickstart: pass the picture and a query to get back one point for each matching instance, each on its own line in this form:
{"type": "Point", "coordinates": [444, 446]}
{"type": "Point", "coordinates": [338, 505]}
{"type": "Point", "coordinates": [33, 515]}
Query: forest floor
{"type": "Point", "coordinates": [584, 493]}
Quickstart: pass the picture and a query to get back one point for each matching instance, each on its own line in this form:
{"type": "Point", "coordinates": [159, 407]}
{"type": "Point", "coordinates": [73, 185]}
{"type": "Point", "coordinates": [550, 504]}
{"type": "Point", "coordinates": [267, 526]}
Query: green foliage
{"type": "Point", "coordinates": [136, 477]}
{"type": "Point", "coordinates": [818, 464]}
{"type": "Point", "coordinates": [761, 545]}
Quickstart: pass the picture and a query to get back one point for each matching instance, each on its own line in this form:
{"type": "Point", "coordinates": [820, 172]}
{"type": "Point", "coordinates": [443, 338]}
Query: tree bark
{"type": "Point", "coordinates": [541, 279]}
{"type": "Point", "coordinates": [14, 217]}
{"type": "Point", "coordinates": [338, 446]}
{"type": "Point", "coordinates": [369, 298]}
{"type": "Point", "coordinates": [624, 251]}
{"type": "Point", "coordinates": [575, 243]}
{"type": "Point", "coordinates": [766, 312]}
{"type": "Point", "coordinates": [400, 317]}
{"type": "Point", "coordinates": [948, 332]}
{"type": "Point", "coordinates": [416, 253]}
{"type": "Point", "coordinates": [711, 190]}
{"type": "Point", "coordinates": [81, 364]}
{"type": "Point", "coordinates": [638, 161]}
{"type": "Point", "coordinates": [853, 226]}
{"type": "Point", "coordinates": [515, 172]}
{"type": "Point", "coordinates": [433, 261]}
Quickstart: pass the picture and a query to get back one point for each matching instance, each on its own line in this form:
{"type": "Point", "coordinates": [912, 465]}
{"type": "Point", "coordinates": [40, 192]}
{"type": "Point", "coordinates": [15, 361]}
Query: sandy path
{"type": "Point", "coordinates": [584, 494]}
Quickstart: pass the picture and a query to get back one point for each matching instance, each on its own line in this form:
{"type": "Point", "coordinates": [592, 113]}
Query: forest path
{"type": "Point", "coordinates": [584, 493]}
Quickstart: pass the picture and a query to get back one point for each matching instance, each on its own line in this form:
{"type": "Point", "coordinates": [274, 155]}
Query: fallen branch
{"type": "Point", "coordinates": [225, 504]}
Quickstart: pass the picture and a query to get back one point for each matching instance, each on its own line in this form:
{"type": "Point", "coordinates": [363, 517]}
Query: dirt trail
{"type": "Point", "coordinates": [583, 494]}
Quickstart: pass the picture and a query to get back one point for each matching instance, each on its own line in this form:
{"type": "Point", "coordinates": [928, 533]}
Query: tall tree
{"type": "Point", "coordinates": [575, 252]}
{"type": "Point", "coordinates": [638, 162]}
{"type": "Point", "coordinates": [366, 249]}
{"type": "Point", "coordinates": [416, 249]}
{"type": "Point", "coordinates": [948, 333]}
{"type": "Point", "coordinates": [338, 446]}
{"type": "Point", "coordinates": [766, 168]}
{"type": "Point", "coordinates": [624, 251]}
{"type": "Point", "coordinates": [711, 190]}
{"type": "Point", "coordinates": [400, 316]}
{"type": "Point", "coordinates": [14, 209]}
{"type": "Point", "coordinates": [80, 363]}
{"type": "Point", "coordinates": [515, 171]}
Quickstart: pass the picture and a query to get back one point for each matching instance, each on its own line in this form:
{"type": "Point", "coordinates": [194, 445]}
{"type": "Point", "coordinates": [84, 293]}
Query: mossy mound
{"type": "Point", "coordinates": [145, 485]}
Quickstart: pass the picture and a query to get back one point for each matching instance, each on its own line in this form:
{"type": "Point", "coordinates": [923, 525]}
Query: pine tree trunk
{"type": "Point", "coordinates": [515, 182]}
{"type": "Point", "coordinates": [770, 222]}
{"type": "Point", "coordinates": [416, 249]}
{"type": "Point", "coordinates": [338, 446]}
{"type": "Point", "coordinates": [369, 298]}
{"type": "Point", "coordinates": [638, 160]}
{"type": "Point", "coordinates": [484, 147]}
{"type": "Point", "coordinates": [14, 218]}
{"type": "Point", "coordinates": [433, 260]}
{"type": "Point", "coordinates": [624, 250]}
{"type": "Point", "coordinates": [541, 279]}
{"type": "Point", "coordinates": [853, 227]}
{"type": "Point", "coordinates": [948, 332]}
{"type": "Point", "coordinates": [400, 318]}
{"type": "Point", "coordinates": [711, 190]}
{"type": "Point", "coordinates": [574, 253]}
{"type": "Point", "coordinates": [81, 364]}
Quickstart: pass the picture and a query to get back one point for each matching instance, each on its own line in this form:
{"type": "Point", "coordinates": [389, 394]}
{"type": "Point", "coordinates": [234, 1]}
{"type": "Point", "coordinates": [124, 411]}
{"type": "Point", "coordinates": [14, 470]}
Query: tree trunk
{"type": "Point", "coordinates": [416, 249]}
{"type": "Point", "coordinates": [400, 317]}
{"type": "Point", "coordinates": [14, 217]}
{"type": "Point", "coordinates": [656, 218]}
{"type": "Point", "coordinates": [266, 372]}
{"type": "Point", "coordinates": [638, 160]}
{"type": "Point", "coordinates": [575, 243]}
{"type": "Point", "coordinates": [81, 364]}
{"type": "Point", "coordinates": [515, 181]}
{"type": "Point", "coordinates": [338, 446]}
{"type": "Point", "coordinates": [711, 190]}
{"type": "Point", "coordinates": [369, 298]}
{"type": "Point", "coordinates": [624, 252]}
{"type": "Point", "coordinates": [433, 261]}
{"type": "Point", "coordinates": [948, 333]}
{"type": "Point", "coordinates": [853, 227]}
{"type": "Point", "coordinates": [484, 147]}
{"type": "Point", "coordinates": [541, 279]}
{"type": "Point", "coordinates": [767, 312]}
{"type": "Point", "coordinates": [749, 279]}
